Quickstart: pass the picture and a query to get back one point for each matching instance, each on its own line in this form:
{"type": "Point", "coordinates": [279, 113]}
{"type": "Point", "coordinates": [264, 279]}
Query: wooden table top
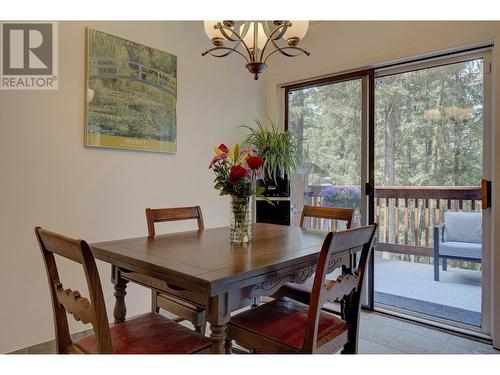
{"type": "Point", "coordinates": [207, 260]}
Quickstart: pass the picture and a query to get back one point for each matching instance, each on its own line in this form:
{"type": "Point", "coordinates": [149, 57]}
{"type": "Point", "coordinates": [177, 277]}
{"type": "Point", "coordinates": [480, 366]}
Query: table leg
{"type": "Point", "coordinates": [120, 310]}
{"type": "Point", "coordinates": [218, 316]}
{"type": "Point", "coordinates": [217, 336]}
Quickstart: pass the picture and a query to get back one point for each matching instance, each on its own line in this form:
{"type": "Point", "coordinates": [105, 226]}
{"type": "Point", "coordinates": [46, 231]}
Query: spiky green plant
{"type": "Point", "coordinates": [279, 149]}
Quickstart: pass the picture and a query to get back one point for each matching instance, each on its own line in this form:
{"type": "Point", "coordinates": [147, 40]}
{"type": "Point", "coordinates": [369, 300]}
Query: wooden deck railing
{"type": "Point", "coordinates": [406, 214]}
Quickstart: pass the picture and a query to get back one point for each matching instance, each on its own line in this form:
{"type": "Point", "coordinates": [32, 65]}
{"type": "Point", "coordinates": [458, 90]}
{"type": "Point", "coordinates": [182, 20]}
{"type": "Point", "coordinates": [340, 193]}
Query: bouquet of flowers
{"type": "Point", "coordinates": [236, 173]}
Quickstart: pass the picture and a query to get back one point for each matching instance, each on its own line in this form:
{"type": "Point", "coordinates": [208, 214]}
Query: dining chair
{"type": "Point", "coordinates": [331, 213]}
{"type": "Point", "coordinates": [287, 326]}
{"type": "Point", "coordinates": [302, 292]}
{"type": "Point", "coordinates": [149, 333]}
{"type": "Point", "coordinates": [185, 310]}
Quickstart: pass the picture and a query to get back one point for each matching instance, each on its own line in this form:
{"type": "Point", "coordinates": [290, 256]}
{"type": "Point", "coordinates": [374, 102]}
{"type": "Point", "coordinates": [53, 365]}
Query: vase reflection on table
{"type": "Point", "coordinates": [236, 172]}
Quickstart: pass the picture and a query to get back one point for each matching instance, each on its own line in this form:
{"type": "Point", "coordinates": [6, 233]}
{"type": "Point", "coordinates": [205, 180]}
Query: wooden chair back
{"type": "Point", "coordinates": [329, 213]}
{"type": "Point", "coordinates": [337, 251]}
{"type": "Point", "coordinates": [70, 301]}
{"type": "Point", "coordinates": [158, 215]}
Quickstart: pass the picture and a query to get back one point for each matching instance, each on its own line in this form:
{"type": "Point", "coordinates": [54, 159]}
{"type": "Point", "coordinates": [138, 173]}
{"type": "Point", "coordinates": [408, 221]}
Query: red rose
{"type": "Point", "coordinates": [237, 173]}
{"type": "Point", "coordinates": [223, 148]}
{"type": "Point", "coordinates": [254, 162]}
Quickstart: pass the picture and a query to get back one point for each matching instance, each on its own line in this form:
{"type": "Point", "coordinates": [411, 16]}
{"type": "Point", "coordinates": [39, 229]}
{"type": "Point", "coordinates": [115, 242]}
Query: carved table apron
{"type": "Point", "coordinates": [204, 268]}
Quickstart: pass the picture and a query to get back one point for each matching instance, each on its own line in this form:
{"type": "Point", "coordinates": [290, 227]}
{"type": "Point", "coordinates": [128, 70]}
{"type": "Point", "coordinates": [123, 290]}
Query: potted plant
{"type": "Point", "coordinates": [278, 149]}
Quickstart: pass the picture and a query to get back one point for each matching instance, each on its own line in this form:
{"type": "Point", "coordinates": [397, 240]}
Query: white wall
{"type": "Point", "coordinates": [341, 46]}
{"type": "Point", "coordinates": [49, 178]}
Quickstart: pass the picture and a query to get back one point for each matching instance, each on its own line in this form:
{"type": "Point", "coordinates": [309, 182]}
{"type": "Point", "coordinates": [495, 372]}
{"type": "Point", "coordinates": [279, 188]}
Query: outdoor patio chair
{"type": "Point", "coordinates": [462, 237]}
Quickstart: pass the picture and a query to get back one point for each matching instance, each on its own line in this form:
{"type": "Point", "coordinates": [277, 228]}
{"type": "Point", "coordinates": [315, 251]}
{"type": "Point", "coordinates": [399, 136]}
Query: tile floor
{"type": "Point", "coordinates": [381, 334]}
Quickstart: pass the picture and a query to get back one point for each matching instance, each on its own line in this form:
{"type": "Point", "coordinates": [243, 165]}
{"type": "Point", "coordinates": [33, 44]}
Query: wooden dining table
{"type": "Point", "coordinates": [206, 269]}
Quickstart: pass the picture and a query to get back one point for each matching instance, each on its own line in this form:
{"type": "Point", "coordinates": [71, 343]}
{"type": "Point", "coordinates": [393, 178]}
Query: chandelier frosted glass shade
{"type": "Point", "coordinates": [298, 30]}
{"type": "Point", "coordinates": [211, 31]}
{"type": "Point", "coordinates": [255, 41]}
{"type": "Point", "coordinates": [248, 37]}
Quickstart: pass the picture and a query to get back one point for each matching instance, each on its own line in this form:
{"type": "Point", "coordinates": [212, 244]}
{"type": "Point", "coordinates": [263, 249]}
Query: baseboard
{"type": "Point", "coordinates": [49, 347]}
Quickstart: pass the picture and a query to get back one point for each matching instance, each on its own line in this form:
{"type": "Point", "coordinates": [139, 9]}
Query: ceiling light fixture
{"type": "Point", "coordinates": [255, 41]}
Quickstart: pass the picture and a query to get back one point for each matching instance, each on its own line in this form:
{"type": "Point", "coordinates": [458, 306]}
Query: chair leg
{"type": "Point", "coordinates": [228, 345]}
{"type": "Point", "coordinates": [445, 264]}
{"type": "Point", "coordinates": [349, 348]}
{"type": "Point", "coordinates": [351, 313]}
{"type": "Point", "coordinates": [436, 253]}
{"type": "Point", "coordinates": [202, 328]}
{"type": "Point", "coordinates": [436, 267]}
{"type": "Point", "coordinates": [256, 301]}
{"type": "Point", "coordinates": [154, 302]}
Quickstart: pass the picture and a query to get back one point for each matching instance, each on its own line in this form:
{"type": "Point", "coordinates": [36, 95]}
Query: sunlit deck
{"type": "Point", "coordinates": [411, 286]}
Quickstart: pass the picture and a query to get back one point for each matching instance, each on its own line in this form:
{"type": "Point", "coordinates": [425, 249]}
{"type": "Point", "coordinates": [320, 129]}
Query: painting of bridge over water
{"type": "Point", "coordinates": [131, 95]}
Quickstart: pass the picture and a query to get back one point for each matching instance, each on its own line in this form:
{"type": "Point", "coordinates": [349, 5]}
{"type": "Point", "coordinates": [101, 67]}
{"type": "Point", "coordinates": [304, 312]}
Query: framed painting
{"type": "Point", "coordinates": [131, 95]}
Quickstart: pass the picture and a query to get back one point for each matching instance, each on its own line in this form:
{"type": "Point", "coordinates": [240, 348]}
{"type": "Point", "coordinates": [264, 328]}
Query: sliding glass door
{"type": "Point", "coordinates": [431, 154]}
{"type": "Point", "coordinates": [408, 147]}
{"type": "Point", "coordinates": [329, 118]}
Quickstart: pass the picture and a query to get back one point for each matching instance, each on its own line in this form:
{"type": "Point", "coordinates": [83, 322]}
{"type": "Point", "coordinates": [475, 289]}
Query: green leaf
{"type": "Point", "coordinates": [267, 200]}
{"type": "Point", "coordinates": [236, 153]}
{"type": "Point", "coordinates": [259, 190]}
{"type": "Point", "coordinates": [279, 149]}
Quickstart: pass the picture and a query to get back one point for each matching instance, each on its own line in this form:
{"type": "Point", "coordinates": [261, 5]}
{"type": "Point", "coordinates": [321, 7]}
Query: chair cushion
{"type": "Point", "coordinates": [461, 249]}
{"type": "Point", "coordinates": [284, 320]}
{"type": "Point", "coordinates": [463, 227]}
{"type": "Point", "coordinates": [149, 334]}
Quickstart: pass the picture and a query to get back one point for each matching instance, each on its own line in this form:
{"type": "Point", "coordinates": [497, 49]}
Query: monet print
{"type": "Point", "coordinates": [131, 95]}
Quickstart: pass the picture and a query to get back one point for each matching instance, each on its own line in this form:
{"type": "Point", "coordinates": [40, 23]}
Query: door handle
{"type": "Point", "coordinates": [369, 189]}
{"type": "Point", "coordinates": [485, 194]}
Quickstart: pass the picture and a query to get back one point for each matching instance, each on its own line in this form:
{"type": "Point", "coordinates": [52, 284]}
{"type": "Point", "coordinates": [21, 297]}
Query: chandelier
{"type": "Point", "coordinates": [255, 41]}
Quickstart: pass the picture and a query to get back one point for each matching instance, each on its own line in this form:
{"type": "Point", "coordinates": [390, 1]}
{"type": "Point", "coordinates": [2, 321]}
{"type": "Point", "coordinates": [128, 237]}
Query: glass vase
{"type": "Point", "coordinates": [240, 219]}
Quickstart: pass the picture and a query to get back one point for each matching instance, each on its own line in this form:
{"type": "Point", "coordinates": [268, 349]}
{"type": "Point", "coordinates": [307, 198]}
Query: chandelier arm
{"type": "Point", "coordinates": [285, 25]}
{"type": "Point", "coordinates": [282, 51]}
{"type": "Point", "coordinates": [229, 51]}
{"type": "Point", "coordinates": [222, 29]}
{"type": "Point", "coordinates": [275, 44]}
{"type": "Point", "coordinates": [220, 26]}
{"type": "Point", "coordinates": [272, 38]}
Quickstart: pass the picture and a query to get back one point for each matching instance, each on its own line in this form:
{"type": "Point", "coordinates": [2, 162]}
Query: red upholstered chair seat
{"type": "Point", "coordinates": [284, 320]}
{"type": "Point", "coordinates": [149, 333]}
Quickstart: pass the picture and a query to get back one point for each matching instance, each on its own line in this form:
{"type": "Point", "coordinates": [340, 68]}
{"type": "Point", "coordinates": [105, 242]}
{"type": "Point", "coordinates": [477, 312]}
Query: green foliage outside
{"type": "Point", "coordinates": [326, 120]}
{"type": "Point", "coordinates": [429, 130]}
{"type": "Point", "coordinates": [429, 126]}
